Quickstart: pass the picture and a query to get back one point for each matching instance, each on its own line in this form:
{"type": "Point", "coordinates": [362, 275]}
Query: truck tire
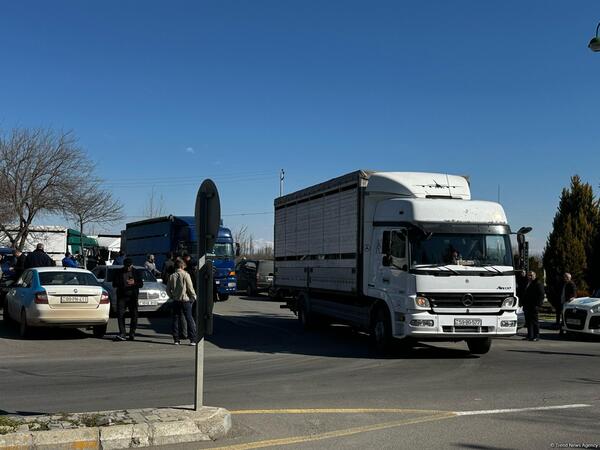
{"type": "Point", "coordinates": [5, 316]}
{"type": "Point", "coordinates": [381, 331]}
{"type": "Point", "coordinates": [304, 316]}
{"type": "Point", "coordinates": [479, 346]}
{"type": "Point", "coordinates": [223, 297]}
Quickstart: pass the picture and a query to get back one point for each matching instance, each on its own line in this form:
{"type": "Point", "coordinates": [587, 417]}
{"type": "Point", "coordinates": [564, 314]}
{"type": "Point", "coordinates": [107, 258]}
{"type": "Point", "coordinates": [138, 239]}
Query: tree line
{"type": "Point", "coordinates": [573, 245]}
{"type": "Point", "coordinates": [45, 172]}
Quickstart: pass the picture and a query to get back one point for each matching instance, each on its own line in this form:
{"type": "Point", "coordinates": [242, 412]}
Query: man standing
{"type": "Point", "coordinates": [151, 265]}
{"type": "Point", "coordinates": [118, 261]}
{"type": "Point", "coordinates": [18, 263]}
{"type": "Point", "coordinates": [568, 292]}
{"type": "Point", "coordinates": [533, 298]}
{"type": "Point", "coordinates": [38, 258]}
{"type": "Point", "coordinates": [168, 267]}
{"type": "Point", "coordinates": [181, 290]}
{"type": "Point", "coordinates": [127, 282]}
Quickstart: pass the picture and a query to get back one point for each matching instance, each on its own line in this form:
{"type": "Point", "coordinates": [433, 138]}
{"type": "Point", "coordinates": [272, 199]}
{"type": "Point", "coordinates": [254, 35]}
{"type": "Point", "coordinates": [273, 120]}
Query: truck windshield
{"type": "Point", "coordinates": [223, 250]}
{"type": "Point", "coordinates": [462, 250]}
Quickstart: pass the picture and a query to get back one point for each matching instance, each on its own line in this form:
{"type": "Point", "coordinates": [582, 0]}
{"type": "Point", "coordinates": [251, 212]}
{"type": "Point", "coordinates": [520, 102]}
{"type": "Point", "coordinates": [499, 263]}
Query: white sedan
{"type": "Point", "coordinates": [57, 296]}
{"type": "Point", "coordinates": [582, 315]}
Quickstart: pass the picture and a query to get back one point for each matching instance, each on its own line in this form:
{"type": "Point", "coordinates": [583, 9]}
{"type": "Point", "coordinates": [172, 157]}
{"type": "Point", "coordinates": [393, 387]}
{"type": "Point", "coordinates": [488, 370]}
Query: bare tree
{"type": "Point", "coordinates": [38, 168]}
{"type": "Point", "coordinates": [89, 203]}
{"type": "Point", "coordinates": [155, 207]}
{"type": "Point", "coordinates": [248, 245]}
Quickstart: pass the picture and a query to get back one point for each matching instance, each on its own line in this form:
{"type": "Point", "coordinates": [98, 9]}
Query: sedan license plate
{"type": "Point", "coordinates": [573, 321]}
{"type": "Point", "coordinates": [73, 299]}
{"type": "Point", "coordinates": [467, 322]}
{"type": "Point", "coordinates": [147, 302]}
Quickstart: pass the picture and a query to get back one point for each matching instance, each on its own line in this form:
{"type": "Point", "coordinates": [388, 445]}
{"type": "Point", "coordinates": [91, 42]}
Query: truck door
{"type": "Point", "coordinates": [390, 264]}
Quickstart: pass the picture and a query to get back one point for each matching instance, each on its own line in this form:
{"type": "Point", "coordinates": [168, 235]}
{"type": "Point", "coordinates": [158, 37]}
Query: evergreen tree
{"type": "Point", "coordinates": [570, 245]}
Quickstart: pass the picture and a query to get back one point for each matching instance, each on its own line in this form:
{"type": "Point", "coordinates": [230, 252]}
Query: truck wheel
{"type": "Point", "coordinates": [223, 297]}
{"type": "Point", "coordinates": [99, 330]}
{"type": "Point", "coordinates": [5, 316]}
{"type": "Point", "coordinates": [479, 346]}
{"type": "Point", "coordinates": [381, 332]}
{"type": "Point", "coordinates": [304, 316]}
{"type": "Point", "coordinates": [24, 329]}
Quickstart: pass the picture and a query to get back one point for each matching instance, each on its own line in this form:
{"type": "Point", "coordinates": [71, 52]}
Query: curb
{"type": "Point", "coordinates": [207, 424]}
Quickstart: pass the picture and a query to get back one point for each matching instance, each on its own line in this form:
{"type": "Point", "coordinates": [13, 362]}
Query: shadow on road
{"type": "Point", "coordinates": [545, 352]}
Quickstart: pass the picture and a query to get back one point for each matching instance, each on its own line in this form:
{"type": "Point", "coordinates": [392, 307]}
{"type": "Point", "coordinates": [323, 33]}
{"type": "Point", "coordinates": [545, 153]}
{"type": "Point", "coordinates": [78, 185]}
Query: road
{"type": "Point", "coordinates": [306, 390]}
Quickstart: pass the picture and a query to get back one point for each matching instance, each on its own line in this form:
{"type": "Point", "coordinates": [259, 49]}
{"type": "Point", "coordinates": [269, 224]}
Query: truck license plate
{"type": "Point", "coordinates": [73, 299]}
{"type": "Point", "coordinates": [573, 321]}
{"type": "Point", "coordinates": [467, 322]}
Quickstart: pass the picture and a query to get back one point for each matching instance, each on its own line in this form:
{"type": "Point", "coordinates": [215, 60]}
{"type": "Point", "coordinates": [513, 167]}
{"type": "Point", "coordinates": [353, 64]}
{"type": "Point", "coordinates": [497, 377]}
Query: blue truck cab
{"type": "Point", "coordinates": [177, 234]}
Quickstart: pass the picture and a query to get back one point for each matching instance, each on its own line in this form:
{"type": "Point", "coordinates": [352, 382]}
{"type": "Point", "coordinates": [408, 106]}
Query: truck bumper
{"type": "Point", "coordinates": [425, 325]}
{"type": "Point", "coordinates": [225, 285]}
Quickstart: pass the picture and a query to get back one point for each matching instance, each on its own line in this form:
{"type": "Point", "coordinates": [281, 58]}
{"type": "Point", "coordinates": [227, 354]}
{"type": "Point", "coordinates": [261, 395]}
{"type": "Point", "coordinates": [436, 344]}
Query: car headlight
{"type": "Point", "coordinates": [163, 294]}
{"type": "Point", "coordinates": [595, 310]}
{"type": "Point", "coordinates": [509, 302]}
{"type": "Point", "coordinates": [422, 302]}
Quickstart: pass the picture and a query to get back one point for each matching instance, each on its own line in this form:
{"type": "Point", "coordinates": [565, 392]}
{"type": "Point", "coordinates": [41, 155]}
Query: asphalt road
{"type": "Point", "coordinates": [319, 389]}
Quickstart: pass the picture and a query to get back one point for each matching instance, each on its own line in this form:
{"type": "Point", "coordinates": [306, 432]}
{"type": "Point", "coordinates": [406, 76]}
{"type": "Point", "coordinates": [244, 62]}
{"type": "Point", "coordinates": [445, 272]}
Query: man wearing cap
{"type": "Point", "coordinates": [127, 283]}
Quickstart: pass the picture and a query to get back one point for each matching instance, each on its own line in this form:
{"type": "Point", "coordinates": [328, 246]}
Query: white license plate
{"type": "Point", "coordinates": [467, 322]}
{"type": "Point", "coordinates": [73, 299]}
{"type": "Point", "coordinates": [573, 321]}
{"type": "Point", "coordinates": [147, 302]}
{"type": "Point", "coordinates": [217, 282]}
{"type": "Point", "coordinates": [231, 285]}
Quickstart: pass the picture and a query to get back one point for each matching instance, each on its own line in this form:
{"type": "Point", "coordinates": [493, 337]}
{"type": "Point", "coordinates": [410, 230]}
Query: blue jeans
{"type": "Point", "coordinates": [185, 308]}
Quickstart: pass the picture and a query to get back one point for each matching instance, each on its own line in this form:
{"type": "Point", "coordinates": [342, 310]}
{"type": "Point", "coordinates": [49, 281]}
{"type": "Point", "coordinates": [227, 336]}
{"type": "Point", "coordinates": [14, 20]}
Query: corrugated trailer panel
{"type": "Point", "coordinates": [316, 226]}
{"type": "Point", "coordinates": [317, 236]}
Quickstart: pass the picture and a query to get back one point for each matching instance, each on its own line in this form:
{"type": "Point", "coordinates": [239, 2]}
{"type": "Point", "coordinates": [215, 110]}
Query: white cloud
{"type": "Point", "coordinates": [190, 150]}
{"type": "Point", "coordinates": [262, 243]}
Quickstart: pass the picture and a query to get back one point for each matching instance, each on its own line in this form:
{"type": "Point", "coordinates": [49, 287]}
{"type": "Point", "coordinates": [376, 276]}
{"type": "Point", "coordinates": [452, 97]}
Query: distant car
{"type": "Point", "coordinates": [582, 315]}
{"type": "Point", "coordinates": [57, 296]}
{"type": "Point", "coordinates": [254, 276]}
{"type": "Point", "coordinates": [153, 295]}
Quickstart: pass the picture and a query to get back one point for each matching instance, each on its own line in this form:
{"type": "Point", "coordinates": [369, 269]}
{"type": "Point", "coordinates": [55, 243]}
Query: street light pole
{"type": "Point", "coordinates": [281, 178]}
{"type": "Point", "coordinates": [594, 44]}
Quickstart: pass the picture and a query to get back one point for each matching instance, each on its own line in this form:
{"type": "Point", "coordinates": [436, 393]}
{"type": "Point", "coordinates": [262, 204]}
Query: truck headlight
{"type": "Point", "coordinates": [509, 302]}
{"type": "Point", "coordinates": [422, 302]}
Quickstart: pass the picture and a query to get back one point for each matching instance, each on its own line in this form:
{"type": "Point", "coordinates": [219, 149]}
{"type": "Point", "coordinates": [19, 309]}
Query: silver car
{"type": "Point", "coordinates": [153, 295]}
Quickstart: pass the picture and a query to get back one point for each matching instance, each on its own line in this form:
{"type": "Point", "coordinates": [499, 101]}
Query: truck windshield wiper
{"type": "Point", "coordinates": [427, 266]}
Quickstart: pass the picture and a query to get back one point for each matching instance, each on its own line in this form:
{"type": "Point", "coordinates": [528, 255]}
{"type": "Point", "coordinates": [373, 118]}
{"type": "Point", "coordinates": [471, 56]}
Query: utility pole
{"type": "Point", "coordinates": [281, 178]}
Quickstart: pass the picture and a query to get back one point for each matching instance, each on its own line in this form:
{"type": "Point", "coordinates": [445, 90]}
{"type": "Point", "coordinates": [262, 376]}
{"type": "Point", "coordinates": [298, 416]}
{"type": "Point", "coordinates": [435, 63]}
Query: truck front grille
{"type": "Point", "coordinates": [451, 329]}
{"type": "Point", "coordinates": [457, 300]}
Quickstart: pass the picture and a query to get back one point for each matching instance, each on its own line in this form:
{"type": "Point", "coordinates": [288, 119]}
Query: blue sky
{"type": "Point", "coordinates": [165, 94]}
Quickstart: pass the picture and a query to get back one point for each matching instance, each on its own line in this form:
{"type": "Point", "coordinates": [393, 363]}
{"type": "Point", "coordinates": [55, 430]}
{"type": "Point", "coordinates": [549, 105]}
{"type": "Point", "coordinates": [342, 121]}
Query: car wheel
{"type": "Point", "coordinates": [223, 297]}
{"type": "Point", "coordinates": [24, 329]}
{"type": "Point", "coordinates": [381, 332]}
{"type": "Point", "coordinates": [479, 346]}
{"type": "Point", "coordinates": [99, 331]}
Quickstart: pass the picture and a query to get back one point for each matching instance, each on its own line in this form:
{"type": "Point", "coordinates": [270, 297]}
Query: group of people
{"type": "Point", "coordinates": [177, 274]}
{"type": "Point", "coordinates": [19, 261]}
{"type": "Point", "coordinates": [531, 295]}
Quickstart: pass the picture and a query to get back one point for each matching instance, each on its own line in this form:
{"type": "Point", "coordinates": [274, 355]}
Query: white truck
{"type": "Point", "coordinates": [406, 256]}
{"type": "Point", "coordinates": [53, 237]}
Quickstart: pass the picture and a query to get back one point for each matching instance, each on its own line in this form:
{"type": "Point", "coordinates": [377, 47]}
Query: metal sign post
{"type": "Point", "coordinates": [208, 217]}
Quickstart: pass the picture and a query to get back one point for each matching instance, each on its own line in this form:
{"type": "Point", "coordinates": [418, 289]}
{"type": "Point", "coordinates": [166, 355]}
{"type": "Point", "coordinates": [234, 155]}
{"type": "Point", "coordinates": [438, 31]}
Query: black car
{"type": "Point", "coordinates": [254, 276]}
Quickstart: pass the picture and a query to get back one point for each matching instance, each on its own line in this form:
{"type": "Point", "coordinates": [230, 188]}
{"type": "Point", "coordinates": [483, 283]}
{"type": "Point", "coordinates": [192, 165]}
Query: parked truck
{"type": "Point", "coordinates": [161, 235]}
{"type": "Point", "coordinates": [405, 256]}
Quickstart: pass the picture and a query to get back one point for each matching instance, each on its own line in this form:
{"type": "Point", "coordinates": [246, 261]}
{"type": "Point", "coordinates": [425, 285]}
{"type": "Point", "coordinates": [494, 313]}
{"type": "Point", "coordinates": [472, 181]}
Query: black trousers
{"type": "Point", "coordinates": [130, 303]}
{"type": "Point", "coordinates": [532, 322]}
{"type": "Point", "coordinates": [183, 309]}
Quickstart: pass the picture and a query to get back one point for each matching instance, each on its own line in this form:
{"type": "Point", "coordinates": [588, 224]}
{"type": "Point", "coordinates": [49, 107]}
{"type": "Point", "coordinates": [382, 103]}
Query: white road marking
{"type": "Point", "coordinates": [513, 410]}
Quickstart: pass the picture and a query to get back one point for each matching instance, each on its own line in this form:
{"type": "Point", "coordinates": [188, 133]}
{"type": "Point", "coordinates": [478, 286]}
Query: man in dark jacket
{"type": "Point", "coordinates": [533, 298]}
{"type": "Point", "coordinates": [38, 258]}
{"type": "Point", "coordinates": [567, 293]}
{"type": "Point", "coordinates": [18, 263]}
{"type": "Point", "coordinates": [127, 282]}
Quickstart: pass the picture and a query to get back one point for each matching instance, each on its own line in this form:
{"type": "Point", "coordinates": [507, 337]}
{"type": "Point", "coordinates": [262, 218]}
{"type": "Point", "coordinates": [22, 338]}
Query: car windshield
{"type": "Point", "coordinates": [146, 275]}
{"type": "Point", "coordinates": [65, 278]}
{"type": "Point", "coordinates": [462, 249]}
